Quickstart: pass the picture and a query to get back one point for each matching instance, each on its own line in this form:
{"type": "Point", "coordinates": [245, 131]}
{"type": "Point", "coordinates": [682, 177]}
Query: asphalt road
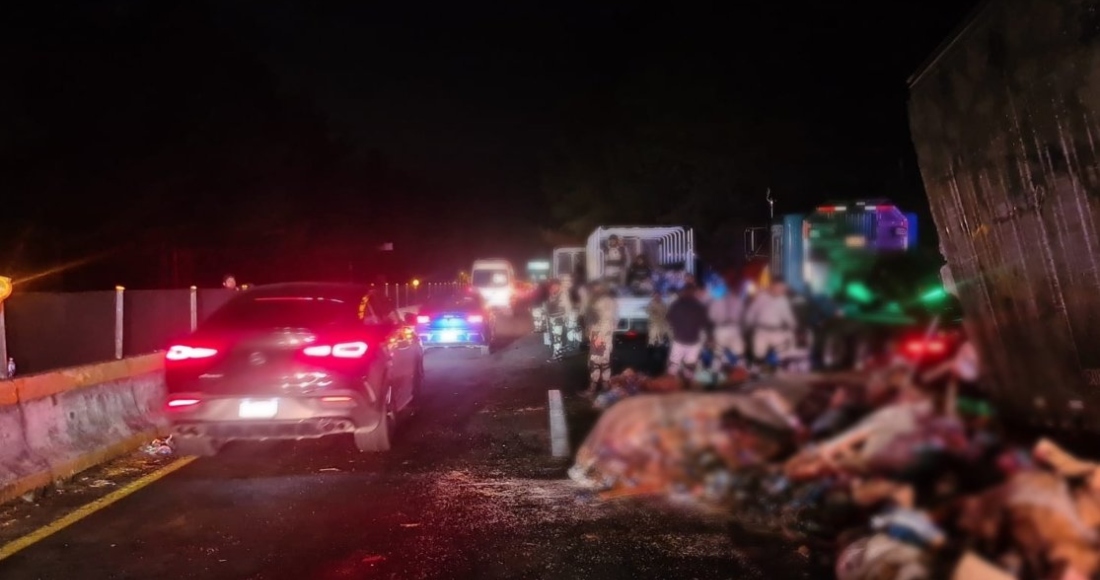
{"type": "Point", "coordinates": [469, 492]}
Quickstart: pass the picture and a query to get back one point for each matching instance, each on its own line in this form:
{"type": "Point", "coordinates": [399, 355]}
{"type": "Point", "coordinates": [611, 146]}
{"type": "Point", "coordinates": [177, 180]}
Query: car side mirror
{"type": "Point", "coordinates": [410, 318]}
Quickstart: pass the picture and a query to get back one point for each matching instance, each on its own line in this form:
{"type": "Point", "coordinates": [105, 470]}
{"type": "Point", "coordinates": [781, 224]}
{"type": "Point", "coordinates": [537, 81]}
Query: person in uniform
{"type": "Point", "coordinates": [558, 312]}
{"type": "Point", "coordinates": [572, 340]}
{"type": "Point", "coordinates": [726, 310]}
{"type": "Point", "coordinates": [773, 323]}
{"type": "Point", "coordinates": [601, 332]}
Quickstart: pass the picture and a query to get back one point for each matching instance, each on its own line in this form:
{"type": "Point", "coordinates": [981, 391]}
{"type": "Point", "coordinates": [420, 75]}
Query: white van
{"type": "Point", "coordinates": [495, 280]}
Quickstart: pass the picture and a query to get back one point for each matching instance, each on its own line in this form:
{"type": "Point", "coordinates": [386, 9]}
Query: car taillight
{"type": "Point", "coordinates": [923, 347]}
{"type": "Point", "coordinates": [177, 403]}
{"type": "Point", "coordinates": [339, 350]}
{"type": "Point", "coordinates": [181, 352]}
{"type": "Point", "coordinates": [423, 319]}
{"type": "Point", "coordinates": [475, 318]}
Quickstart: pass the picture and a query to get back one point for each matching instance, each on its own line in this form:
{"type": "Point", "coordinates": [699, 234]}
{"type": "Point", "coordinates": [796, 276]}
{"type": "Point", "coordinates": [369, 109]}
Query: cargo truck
{"type": "Point", "coordinates": [666, 247]}
{"type": "Point", "coordinates": [1006, 125]}
{"type": "Point", "coordinates": [863, 256]}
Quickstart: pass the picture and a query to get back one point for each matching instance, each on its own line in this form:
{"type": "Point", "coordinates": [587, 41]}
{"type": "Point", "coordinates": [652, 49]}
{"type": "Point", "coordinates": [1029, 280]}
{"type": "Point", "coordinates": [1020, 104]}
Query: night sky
{"type": "Point", "coordinates": [166, 143]}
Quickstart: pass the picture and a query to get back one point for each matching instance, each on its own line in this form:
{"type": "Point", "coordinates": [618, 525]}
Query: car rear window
{"type": "Point", "coordinates": [284, 312]}
{"type": "Point", "coordinates": [455, 302]}
{"type": "Point", "coordinates": [489, 278]}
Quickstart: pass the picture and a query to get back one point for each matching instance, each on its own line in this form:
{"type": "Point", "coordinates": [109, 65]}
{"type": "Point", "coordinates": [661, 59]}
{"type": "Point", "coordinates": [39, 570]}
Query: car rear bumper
{"type": "Point", "coordinates": [453, 338]}
{"type": "Point", "coordinates": [297, 417]}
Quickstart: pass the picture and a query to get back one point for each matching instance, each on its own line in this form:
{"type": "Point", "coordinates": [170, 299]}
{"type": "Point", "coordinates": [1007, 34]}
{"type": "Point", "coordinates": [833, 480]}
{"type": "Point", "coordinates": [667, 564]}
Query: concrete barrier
{"type": "Point", "coordinates": [57, 424]}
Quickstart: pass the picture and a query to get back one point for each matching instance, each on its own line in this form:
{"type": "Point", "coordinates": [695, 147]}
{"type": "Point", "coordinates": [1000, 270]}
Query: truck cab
{"type": "Point", "coordinates": [495, 280]}
{"type": "Point", "coordinates": [566, 261]}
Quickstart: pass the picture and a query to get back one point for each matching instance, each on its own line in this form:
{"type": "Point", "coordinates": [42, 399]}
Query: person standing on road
{"type": "Point", "coordinates": [558, 312]}
{"type": "Point", "coordinates": [601, 333]}
{"type": "Point", "coordinates": [572, 327]}
{"type": "Point", "coordinates": [726, 310]}
{"type": "Point", "coordinates": [772, 320]}
{"type": "Point", "coordinates": [688, 321]}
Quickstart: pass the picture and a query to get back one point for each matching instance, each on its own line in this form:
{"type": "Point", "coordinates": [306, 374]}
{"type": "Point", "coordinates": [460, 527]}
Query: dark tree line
{"type": "Point", "coordinates": [133, 132]}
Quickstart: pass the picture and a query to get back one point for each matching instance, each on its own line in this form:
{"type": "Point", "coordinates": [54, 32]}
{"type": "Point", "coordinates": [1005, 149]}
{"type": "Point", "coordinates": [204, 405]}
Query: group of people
{"type": "Point", "coordinates": [719, 321]}
{"type": "Point", "coordinates": [715, 321]}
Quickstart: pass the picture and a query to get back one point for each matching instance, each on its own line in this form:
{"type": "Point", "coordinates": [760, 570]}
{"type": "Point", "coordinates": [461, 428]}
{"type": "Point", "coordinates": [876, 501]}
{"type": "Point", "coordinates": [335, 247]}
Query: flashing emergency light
{"type": "Point", "coordinates": [5, 288]}
{"type": "Point", "coordinates": [859, 292]}
{"type": "Point", "coordinates": [934, 295]}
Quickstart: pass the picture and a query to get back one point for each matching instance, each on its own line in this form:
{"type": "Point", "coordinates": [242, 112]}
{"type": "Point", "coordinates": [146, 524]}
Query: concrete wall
{"type": "Point", "coordinates": [57, 424]}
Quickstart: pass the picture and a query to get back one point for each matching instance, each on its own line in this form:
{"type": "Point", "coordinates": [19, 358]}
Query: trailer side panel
{"type": "Point", "coordinates": [1007, 131]}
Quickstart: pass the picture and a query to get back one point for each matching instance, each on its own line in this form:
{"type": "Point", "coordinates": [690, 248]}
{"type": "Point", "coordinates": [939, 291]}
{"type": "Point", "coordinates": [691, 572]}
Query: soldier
{"type": "Point", "coordinates": [572, 324]}
{"type": "Point", "coordinates": [772, 321]}
{"type": "Point", "coordinates": [558, 312]}
{"type": "Point", "coordinates": [657, 312]}
{"type": "Point", "coordinates": [601, 331]}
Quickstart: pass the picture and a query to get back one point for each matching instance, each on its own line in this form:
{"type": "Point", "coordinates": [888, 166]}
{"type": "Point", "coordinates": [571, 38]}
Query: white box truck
{"type": "Point", "coordinates": [666, 248]}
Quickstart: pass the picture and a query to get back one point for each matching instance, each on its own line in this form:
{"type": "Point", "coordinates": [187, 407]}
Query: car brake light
{"type": "Point", "coordinates": [181, 352]}
{"type": "Point", "coordinates": [341, 350]}
{"type": "Point", "coordinates": [423, 319]}
{"type": "Point", "coordinates": [475, 318]}
{"type": "Point", "coordinates": [921, 347]}
{"type": "Point", "coordinates": [177, 403]}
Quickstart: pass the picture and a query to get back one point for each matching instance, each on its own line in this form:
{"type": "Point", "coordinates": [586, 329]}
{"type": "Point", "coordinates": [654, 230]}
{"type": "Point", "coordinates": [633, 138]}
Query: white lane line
{"type": "Point", "coordinates": [559, 432]}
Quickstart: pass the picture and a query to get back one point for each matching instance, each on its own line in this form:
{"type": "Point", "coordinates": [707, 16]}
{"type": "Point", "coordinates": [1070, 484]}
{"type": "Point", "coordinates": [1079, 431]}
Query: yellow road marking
{"type": "Point", "coordinates": [88, 509]}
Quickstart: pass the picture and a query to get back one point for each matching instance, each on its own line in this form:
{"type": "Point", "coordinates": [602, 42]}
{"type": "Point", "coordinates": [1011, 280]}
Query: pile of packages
{"type": "Point", "coordinates": [886, 479]}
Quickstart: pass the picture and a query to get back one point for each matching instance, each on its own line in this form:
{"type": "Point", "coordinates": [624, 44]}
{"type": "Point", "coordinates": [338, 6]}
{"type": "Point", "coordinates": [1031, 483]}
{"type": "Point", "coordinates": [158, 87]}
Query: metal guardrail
{"type": "Point", "coordinates": [44, 331]}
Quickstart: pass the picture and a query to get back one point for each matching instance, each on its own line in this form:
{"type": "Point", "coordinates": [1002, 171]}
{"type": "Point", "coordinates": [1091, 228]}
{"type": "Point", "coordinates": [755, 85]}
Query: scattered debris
{"type": "Point", "coordinates": [160, 447]}
{"type": "Point", "coordinates": [881, 472]}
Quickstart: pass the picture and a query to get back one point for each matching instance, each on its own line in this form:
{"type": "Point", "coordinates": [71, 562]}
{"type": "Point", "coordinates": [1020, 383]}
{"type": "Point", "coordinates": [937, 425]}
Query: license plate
{"type": "Point", "coordinates": [448, 336]}
{"type": "Point", "coordinates": [259, 409]}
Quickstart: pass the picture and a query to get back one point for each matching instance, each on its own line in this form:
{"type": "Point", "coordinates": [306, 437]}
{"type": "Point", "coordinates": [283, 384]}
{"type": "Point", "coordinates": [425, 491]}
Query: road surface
{"type": "Point", "coordinates": [470, 491]}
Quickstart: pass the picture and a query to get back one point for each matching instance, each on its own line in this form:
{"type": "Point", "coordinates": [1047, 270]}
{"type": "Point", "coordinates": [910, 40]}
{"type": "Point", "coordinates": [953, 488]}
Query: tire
{"type": "Point", "coordinates": [379, 439]}
{"type": "Point", "coordinates": [417, 390]}
{"type": "Point", "coordinates": [196, 446]}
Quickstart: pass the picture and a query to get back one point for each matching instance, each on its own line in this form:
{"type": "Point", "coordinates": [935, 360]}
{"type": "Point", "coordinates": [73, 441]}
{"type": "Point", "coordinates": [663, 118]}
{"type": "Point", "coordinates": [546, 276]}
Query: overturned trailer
{"type": "Point", "coordinates": [1006, 126]}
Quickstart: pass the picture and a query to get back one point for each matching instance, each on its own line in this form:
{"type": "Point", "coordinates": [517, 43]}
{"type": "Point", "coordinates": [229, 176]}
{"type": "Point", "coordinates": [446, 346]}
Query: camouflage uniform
{"type": "Point", "coordinates": [600, 335]}
{"type": "Point", "coordinates": [657, 311]}
{"type": "Point", "coordinates": [572, 336]}
{"type": "Point", "coordinates": [538, 316]}
{"type": "Point", "coordinates": [559, 312]}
